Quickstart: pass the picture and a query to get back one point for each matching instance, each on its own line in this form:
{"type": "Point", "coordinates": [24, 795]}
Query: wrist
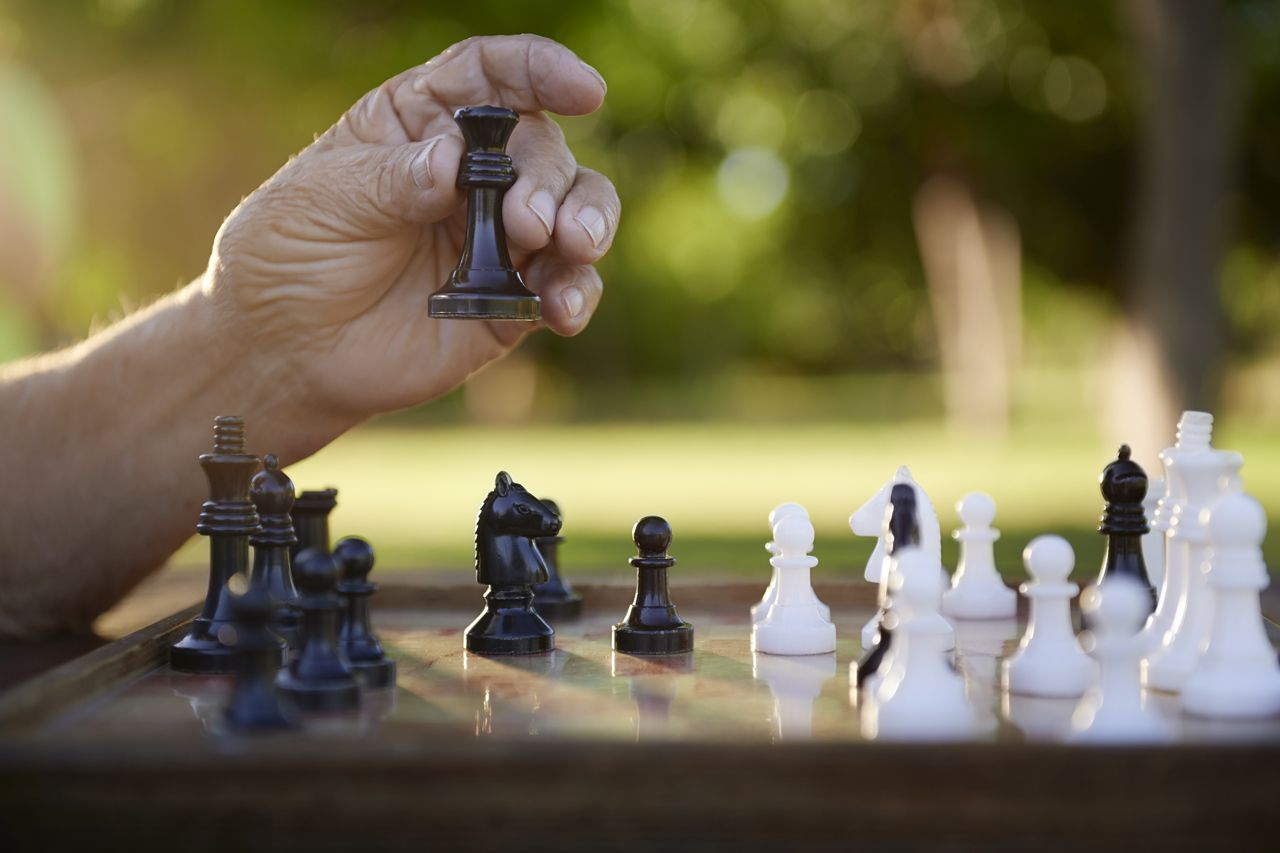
{"type": "Point", "coordinates": [257, 376]}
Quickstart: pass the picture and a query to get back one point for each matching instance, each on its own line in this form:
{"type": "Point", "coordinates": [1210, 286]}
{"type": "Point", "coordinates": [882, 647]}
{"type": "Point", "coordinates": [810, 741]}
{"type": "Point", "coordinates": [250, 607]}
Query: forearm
{"type": "Point", "coordinates": [99, 453]}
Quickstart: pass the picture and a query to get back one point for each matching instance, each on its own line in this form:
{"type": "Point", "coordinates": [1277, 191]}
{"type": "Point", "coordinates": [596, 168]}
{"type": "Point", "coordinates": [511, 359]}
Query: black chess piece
{"type": "Point", "coordinates": [228, 518]}
{"type": "Point", "coordinates": [1124, 522]}
{"type": "Point", "coordinates": [652, 626]}
{"type": "Point", "coordinates": [507, 561]}
{"type": "Point", "coordinates": [903, 530]}
{"type": "Point", "coordinates": [554, 599]}
{"type": "Point", "coordinates": [272, 494]}
{"type": "Point", "coordinates": [356, 637]}
{"type": "Point", "coordinates": [319, 678]}
{"type": "Point", "coordinates": [256, 705]}
{"type": "Point", "coordinates": [311, 520]}
{"type": "Point", "coordinates": [485, 284]}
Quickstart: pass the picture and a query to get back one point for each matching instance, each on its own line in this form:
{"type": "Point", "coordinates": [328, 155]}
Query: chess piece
{"type": "Point", "coordinates": [795, 682]}
{"type": "Point", "coordinates": [1124, 523]}
{"type": "Point", "coordinates": [356, 638]}
{"type": "Point", "coordinates": [868, 520]}
{"type": "Point", "coordinates": [311, 520]}
{"type": "Point", "coordinates": [901, 531]}
{"type": "Point", "coordinates": [509, 563]}
{"type": "Point", "coordinates": [554, 599]}
{"type": "Point", "coordinates": [1049, 661]}
{"type": "Point", "coordinates": [319, 678]}
{"type": "Point", "coordinates": [1237, 675]}
{"type": "Point", "coordinates": [1114, 711]}
{"type": "Point", "coordinates": [227, 518]}
{"type": "Point", "coordinates": [652, 626]}
{"type": "Point", "coordinates": [1205, 474]}
{"type": "Point", "coordinates": [256, 705]}
{"type": "Point", "coordinates": [485, 285]}
{"type": "Point", "coordinates": [794, 624]}
{"type": "Point", "coordinates": [920, 698]}
{"type": "Point", "coordinates": [1153, 539]}
{"type": "Point", "coordinates": [1195, 429]}
{"type": "Point", "coordinates": [761, 608]}
{"type": "Point", "coordinates": [977, 590]}
{"type": "Point", "coordinates": [271, 491]}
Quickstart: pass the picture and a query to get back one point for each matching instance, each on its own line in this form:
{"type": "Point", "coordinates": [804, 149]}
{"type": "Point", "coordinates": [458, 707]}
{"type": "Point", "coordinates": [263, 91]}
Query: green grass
{"type": "Point", "coordinates": [414, 492]}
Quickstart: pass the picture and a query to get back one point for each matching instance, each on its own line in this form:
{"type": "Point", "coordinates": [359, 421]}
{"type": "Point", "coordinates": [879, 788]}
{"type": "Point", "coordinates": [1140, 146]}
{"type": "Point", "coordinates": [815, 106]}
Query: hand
{"type": "Point", "coordinates": [325, 270]}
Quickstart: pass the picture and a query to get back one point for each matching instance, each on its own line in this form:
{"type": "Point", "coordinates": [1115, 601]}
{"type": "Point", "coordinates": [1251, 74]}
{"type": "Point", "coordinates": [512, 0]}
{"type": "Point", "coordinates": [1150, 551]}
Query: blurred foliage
{"type": "Point", "coordinates": [767, 153]}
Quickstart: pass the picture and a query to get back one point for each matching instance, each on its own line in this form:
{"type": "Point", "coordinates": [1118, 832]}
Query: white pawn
{"type": "Point", "coordinates": [921, 698]}
{"type": "Point", "coordinates": [795, 683]}
{"type": "Point", "coordinates": [761, 607]}
{"type": "Point", "coordinates": [1049, 661]}
{"type": "Point", "coordinates": [794, 624]}
{"type": "Point", "coordinates": [1114, 711]}
{"type": "Point", "coordinates": [1153, 539]}
{"type": "Point", "coordinates": [1237, 675]}
{"type": "Point", "coordinates": [977, 591]}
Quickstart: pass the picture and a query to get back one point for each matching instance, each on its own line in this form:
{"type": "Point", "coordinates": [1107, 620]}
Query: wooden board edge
{"type": "Point", "coordinates": [76, 681]}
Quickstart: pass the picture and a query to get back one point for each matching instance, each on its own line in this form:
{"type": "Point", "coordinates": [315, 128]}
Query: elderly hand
{"type": "Point", "coordinates": [325, 270]}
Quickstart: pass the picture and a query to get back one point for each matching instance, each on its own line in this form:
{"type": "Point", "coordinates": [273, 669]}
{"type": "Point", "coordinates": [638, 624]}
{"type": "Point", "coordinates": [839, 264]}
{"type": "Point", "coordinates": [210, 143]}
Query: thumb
{"type": "Point", "coordinates": [372, 190]}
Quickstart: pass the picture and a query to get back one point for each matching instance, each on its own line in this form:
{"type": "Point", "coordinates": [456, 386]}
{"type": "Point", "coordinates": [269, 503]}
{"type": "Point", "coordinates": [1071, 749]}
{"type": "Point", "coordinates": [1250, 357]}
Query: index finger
{"type": "Point", "coordinates": [525, 73]}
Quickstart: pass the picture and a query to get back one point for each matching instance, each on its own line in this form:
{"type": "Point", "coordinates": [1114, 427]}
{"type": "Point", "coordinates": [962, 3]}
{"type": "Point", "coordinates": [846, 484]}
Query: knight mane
{"type": "Point", "coordinates": [486, 507]}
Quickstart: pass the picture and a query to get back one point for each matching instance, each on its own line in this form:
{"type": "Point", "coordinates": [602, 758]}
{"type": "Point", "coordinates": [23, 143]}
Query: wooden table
{"type": "Point", "coordinates": [587, 749]}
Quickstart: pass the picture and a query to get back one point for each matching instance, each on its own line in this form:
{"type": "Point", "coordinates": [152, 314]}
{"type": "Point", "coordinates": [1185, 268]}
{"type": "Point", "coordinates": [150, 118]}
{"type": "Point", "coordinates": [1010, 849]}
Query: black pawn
{"type": "Point", "coordinates": [319, 677]}
{"type": "Point", "coordinates": [356, 637]}
{"type": "Point", "coordinates": [554, 599]}
{"type": "Point", "coordinates": [272, 495]}
{"type": "Point", "coordinates": [311, 520]}
{"type": "Point", "coordinates": [228, 518]}
{"type": "Point", "coordinates": [904, 530]}
{"type": "Point", "coordinates": [256, 705]}
{"type": "Point", "coordinates": [485, 284]}
{"type": "Point", "coordinates": [652, 626]}
{"type": "Point", "coordinates": [1124, 523]}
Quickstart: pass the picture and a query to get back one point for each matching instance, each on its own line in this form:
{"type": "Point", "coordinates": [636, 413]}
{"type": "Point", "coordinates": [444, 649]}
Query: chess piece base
{"type": "Point", "coordinates": [375, 674]}
{"type": "Point", "coordinates": [653, 641]}
{"type": "Point", "coordinates": [785, 632]}
{"type": "Point", "coordinates": [568, 607]}
{"type": "Point", "coordinates": [989, 601]}
{"type": "Point", "coordinates": [337, 695]}
{"type": "Point", "coordinates": [204, 655]}
{"type": "Point", "coordinates": [485, 306]}
{"type": "Point", "coordinates": [510, 630]}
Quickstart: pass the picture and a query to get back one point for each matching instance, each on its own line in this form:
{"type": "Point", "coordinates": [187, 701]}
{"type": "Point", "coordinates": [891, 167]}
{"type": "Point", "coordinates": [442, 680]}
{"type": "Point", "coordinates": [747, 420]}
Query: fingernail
{"type": "Point", "coordinates": [543, 207]}
{"type": "Point", "coordinates": [574, 300]}
{"type": "Point", "coordinates": [596, 74]}
{"type": "Point", "coordinates": [592, 221]}
{"type": "Point", "coordinates": [420, 168]}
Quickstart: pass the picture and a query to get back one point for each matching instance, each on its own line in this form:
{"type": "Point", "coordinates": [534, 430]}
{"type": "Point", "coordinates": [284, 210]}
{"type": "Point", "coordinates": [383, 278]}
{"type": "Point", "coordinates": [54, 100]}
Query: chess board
{"type": "Point", "coordinates": [585, 748]}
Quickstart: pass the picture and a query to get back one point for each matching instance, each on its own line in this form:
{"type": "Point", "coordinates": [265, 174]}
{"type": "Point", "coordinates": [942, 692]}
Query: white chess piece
{"type": "Point", "coordinates": [1195, 429]}
{"type": "Point", "coordinates": [1153, 539]}
{"type": "Point", "coordinates": [1114, 711]}
{"type": "Point", "coordinates": [794, 624]}
{"type": "Point", "coordinates": [1237, 676]}
{"type": "Point", "coordinates": [930, 623]}
{"type": "Point", "coordinates": [868, 520]}
{"type": "Point", "coordinates": [921, 698]}
{"type": "Point", "coordinates": [1049, 661]}
{"type": "Point", "coordinates": [977, 591]}
{"type": "Point", "coordinates": [1206, 474]}
{"type": "Point", "coordinates": [795, 682]}
{"type": "Point", "coordinates": [761, 607]}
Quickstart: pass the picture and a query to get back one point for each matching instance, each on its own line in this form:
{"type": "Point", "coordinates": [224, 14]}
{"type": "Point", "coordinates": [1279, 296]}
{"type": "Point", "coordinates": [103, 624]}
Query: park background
{"type": "Point", "coordinates": [989, 239]}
